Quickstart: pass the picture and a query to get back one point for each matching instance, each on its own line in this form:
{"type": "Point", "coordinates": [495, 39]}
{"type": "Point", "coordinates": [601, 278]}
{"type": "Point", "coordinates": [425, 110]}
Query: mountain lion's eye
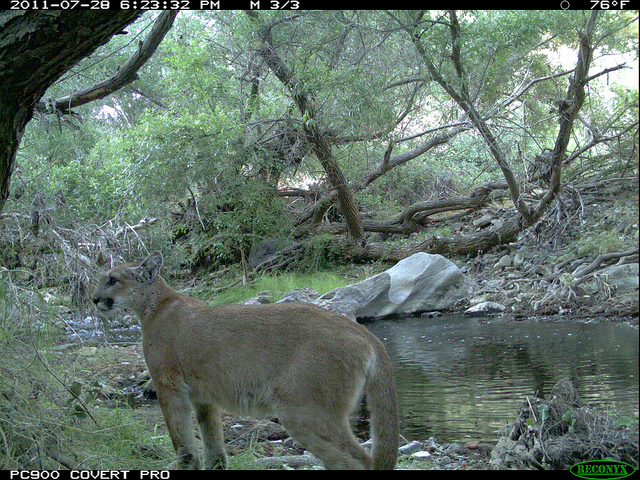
{"type": "Point", "coordinates": [112, 281]}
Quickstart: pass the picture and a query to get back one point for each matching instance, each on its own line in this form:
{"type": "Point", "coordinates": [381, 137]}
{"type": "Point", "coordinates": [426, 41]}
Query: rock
{"type": "Point", "coordinates": [421, 455]}
{"type": "Point", "coordinates": [483, 221]}
{"type": "Point", "coordinates": [340, 308]}
{"type": "Point", "coordinates": [260, 299]}
{"type": "Point", "coordinates": [300, 295]}
{"type": "Point", "coordinates": [309, 295]}
{"type": "Point", "coordinates": [622, 278]}
{"type": "Point", "coordinates": [419, 283]}
{"type": "Point", "coordinates": [497, 223]}
{"type": "Point", "coordinates": [518, 258]}
{"type": "Point", "coordinates": [486, 259]}
{"type": "Point", "coordinates": [485, 308]}
{"type": "Point", "coordinates": [409, 448]}
{"type": "Point", "coordinates": [505, 261]}
{"type": "Point", "coordinates": [453, 449]}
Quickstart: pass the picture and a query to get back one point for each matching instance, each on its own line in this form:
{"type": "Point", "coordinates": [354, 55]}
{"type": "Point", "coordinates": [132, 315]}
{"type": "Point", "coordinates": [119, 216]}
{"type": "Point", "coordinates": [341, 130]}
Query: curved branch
{"type": "Point", "coordinates": [125, 74]}
{"type": "Point", "coordinates": [595, 141]}
{"type": "Point", "coordinates": [607, 70]}
{"type": "Point", "coordinates": [514, 96]}
{"type": "Point", "coordinates": [386, 164]}
{"type": "Point", "coordinates": [581, 274]}
{"type": "Point", "coordinates": [461, 97]}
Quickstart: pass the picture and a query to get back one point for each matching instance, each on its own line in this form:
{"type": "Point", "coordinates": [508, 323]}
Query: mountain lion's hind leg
{"type": "Point", "coordinates": [330, 439]}
{"type": "Point", "coordinates": [210, 421]}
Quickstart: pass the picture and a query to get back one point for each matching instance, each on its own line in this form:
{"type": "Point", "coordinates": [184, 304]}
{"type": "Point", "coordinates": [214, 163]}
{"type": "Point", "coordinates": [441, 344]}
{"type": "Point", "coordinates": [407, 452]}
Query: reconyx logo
{"type": "Point", "coordinates": [602, 469]}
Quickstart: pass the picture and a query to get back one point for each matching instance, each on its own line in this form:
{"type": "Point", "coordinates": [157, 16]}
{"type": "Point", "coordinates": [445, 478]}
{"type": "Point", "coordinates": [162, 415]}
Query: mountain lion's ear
{"type": "Point", "coordinates": [150, 268]}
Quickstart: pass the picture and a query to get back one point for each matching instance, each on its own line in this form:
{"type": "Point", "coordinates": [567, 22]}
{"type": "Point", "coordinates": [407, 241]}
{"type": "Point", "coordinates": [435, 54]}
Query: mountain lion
{"type": "Point", "coordinates": [297, 361]}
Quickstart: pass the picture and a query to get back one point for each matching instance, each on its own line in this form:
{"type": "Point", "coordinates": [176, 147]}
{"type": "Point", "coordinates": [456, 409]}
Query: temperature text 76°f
{"type": "Point", "coordinates": [609, 4]}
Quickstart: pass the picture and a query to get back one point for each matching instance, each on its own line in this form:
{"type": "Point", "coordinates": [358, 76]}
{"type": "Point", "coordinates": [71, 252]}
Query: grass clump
{"type": "Point", "coordinates": [278, 285]}
{"type": "Point", "coordinates": [47, 421]}
{"type": "Point", "coordinates": [50, 418]}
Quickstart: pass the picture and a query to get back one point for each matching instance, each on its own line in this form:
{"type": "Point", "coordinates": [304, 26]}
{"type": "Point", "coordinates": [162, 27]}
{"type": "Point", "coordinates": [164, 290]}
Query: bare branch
{"type": "Point", "coordinates": [125, 75]}
{"type": "Point", "coordinates": [434, 129]}
{"type": "Point", "coordinates": [513, 97]}
{"type": "Point", "coordinates": [596, 140]}
{"type": "Point", "coordinates": [406, 81]}
{"type": "Point", "coordinates": [607, 70]}
{"type": "Point", "coordinates": [461, 97]}
{"type": "Point", "coordinates": [581, 274]}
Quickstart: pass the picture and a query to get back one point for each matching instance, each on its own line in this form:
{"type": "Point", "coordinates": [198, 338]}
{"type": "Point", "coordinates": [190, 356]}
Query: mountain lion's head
{"type": "Point", "coordinates": [125, 286]}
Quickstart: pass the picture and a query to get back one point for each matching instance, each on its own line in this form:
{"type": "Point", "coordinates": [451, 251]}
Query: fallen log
{"type": "Point", "coordinates": [582, 273]}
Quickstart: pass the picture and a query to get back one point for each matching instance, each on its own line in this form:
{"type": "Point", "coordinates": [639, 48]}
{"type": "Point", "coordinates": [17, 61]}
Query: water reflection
{"type": "Point", "coordinates": [461, 378]}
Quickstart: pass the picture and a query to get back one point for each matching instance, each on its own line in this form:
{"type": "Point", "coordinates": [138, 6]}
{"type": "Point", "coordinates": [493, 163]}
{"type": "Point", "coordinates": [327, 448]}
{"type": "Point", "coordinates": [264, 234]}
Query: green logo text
{"type": "Point", "coordinates": [602, 469]}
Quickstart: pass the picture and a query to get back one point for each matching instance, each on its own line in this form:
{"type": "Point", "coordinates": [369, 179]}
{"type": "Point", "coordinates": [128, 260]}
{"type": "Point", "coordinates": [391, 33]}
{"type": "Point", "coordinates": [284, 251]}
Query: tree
{"type": "Point", "coordinates": [307, 104]}
{"type": "Point", "coordinates": [464, 81]}
{"type": "Point", "coordinates": [568, 109]}
{"type": "Point", "coordinates": [39, 47]}
{"type": "Point", "coordinates": [380, 91]}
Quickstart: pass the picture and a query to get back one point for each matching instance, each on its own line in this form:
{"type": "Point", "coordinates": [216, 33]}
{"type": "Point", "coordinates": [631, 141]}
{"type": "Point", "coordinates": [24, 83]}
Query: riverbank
{"type": "Point", "coordinates": [110, 382]}
{"type": "Point", "coordinates": [121, 383]}
{"type": "Point", "coordinates": [96, 397]}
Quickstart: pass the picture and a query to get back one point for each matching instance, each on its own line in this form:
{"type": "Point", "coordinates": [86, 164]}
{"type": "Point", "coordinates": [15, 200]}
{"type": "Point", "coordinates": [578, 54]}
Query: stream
{"type": "Point", "coordinates": [462, 378]}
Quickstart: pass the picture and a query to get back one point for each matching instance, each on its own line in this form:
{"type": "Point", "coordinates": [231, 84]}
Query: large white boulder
{"type": "Point", "coordinates": [419, 283]}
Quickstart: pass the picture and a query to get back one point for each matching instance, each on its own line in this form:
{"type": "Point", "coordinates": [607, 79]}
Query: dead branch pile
{"type": "Point", "coordinates": [562, 431]}
{"type": "Point", "coordinates": [37, 252]}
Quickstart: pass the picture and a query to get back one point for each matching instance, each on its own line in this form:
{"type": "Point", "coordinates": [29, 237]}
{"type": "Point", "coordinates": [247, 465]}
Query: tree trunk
{"type": "Point", "coordinates": [37, 48]}
{"type": "Point", "coordinates": [568, 111]}
{"type": "Point", "coordinates": [347, 203]}
{"type": "Point", "coordinates": [436, 244]}
{"type": "Point", "coordinates": [322, 148]}
{"type": "Point", "coordinates": [13, 119]}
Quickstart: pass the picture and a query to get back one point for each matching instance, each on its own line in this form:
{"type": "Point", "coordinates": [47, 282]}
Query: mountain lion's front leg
{"type": "Point", "coordinates": [177, 410]}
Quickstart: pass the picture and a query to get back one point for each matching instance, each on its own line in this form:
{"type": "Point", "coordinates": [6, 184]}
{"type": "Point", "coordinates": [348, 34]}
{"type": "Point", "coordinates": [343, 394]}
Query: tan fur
{"type": "Point", "coordinates": [299, 362]}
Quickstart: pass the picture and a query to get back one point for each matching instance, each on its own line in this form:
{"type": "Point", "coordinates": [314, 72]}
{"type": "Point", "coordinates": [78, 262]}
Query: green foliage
{"type": "Point", "coordinates": [234, 216]}
{"type": "Point", "coordinates": [47, 406]}
{"type": "Point", "coordinates": [624, 421]}
{"type": "Point", "coordinates": [321, 281]}
{"type": "Point", "coordinates": [209, 132]}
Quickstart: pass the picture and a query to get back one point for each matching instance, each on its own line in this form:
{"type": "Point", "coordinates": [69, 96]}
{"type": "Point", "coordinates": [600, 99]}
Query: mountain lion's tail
{"type": "Point", "coordinates": [382, 400]}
